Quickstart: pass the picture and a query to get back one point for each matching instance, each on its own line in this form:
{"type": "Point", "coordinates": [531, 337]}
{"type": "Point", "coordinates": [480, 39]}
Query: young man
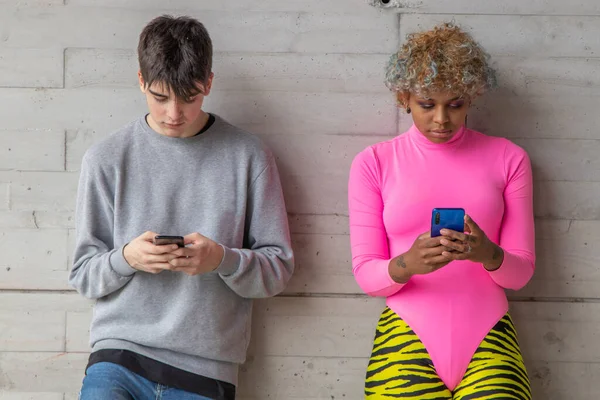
{"type": "Point", "coordinates": [174, 322]}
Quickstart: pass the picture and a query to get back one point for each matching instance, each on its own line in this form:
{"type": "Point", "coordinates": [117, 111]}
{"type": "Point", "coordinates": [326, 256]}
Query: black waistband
{"type": "Point", "coordinates": [164, 374]}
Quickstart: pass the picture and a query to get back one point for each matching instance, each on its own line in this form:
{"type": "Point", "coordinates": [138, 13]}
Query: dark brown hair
{"type": "Point", "coordinates": [176, 52]}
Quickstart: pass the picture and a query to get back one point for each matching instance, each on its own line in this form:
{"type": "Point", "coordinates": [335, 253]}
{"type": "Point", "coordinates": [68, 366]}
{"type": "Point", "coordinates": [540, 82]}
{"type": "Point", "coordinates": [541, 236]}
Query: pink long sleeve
{"type": "Point", "coordinates": [517, 236]}
{"type": "Point", "coordinates": [370, 251]}
{"type": "Point", "coordinates": [393, 187]}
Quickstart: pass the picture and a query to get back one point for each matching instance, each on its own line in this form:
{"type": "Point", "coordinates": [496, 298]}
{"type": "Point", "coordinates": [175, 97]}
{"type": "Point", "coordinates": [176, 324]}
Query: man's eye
{"type": "Point", "coordinates": [160, 99]}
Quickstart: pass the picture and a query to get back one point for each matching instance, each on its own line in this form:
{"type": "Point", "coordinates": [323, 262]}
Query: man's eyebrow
{"type": "Point", "coordinates": [157, 94]}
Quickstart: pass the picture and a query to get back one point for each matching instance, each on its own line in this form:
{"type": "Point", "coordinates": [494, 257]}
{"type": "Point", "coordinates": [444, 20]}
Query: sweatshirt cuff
{"type": "Point", "coordinates": [119, 264]}
{"type": "Point", "coordinates": [230, 262]}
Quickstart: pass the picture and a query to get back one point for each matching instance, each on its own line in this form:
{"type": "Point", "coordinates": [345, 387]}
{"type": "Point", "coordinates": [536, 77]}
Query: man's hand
{"type": "Point", "coordinates": [142, 254]}
{"type": "Point", "coordinates": [200, 255]}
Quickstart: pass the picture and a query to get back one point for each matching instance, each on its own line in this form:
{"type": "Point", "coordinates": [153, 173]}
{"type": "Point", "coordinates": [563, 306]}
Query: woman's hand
{"type": "Point", "coordinates": [473, 245]}
{"type": "Point", "coordinates": [425, 256]}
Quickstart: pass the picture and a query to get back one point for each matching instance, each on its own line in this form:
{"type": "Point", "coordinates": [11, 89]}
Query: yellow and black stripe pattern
{"type": "Point", "coordinates": [400, 367]}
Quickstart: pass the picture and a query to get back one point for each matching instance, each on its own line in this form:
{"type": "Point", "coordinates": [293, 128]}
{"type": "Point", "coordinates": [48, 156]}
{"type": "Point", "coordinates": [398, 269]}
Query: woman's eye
{"type": "Point", "coordinates": [456, 105]}
{"type": "Point", "coordinates": [160, 99]}
{"type": "Point", "coordinates": [426, 106]}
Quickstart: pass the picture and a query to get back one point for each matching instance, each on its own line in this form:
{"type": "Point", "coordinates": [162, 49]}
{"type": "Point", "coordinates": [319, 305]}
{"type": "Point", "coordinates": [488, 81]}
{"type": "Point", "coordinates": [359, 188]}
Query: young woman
{"type": "Point", "coordinates": [446, 332]}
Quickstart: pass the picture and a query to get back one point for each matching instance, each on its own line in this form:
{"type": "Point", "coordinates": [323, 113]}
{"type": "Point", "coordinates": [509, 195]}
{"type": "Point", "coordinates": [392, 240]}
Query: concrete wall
{"type": "Point", "coordinates": [306, 76]}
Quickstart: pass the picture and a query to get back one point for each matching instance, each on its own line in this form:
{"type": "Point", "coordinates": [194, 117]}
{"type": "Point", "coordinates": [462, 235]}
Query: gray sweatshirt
{"type": "Point", "coordinates": [222, 184]}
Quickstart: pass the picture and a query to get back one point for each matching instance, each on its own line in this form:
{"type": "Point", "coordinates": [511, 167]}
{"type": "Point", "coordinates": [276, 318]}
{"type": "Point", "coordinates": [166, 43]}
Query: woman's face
{"type": "Point", "coordinates": [439, 115]}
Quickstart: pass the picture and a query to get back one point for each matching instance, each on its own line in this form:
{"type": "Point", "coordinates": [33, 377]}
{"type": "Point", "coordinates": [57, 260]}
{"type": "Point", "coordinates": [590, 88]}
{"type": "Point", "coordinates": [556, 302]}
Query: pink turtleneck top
{"type": "Point", "coordinates": [393, 187]}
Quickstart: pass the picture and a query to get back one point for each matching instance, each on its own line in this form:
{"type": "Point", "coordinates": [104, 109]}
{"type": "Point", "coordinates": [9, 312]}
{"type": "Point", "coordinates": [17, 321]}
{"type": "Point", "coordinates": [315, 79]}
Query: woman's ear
{"type": "Point", "coordinates": [403, 98]}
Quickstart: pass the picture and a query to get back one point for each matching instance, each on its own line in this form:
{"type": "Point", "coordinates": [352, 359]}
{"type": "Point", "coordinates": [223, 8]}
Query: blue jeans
{"type": "Point", "coordinates": [108, 381]}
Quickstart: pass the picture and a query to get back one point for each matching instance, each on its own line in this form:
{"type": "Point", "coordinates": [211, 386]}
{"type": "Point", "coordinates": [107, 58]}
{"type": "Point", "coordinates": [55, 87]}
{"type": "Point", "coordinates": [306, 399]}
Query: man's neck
{"type": "Point", "coordinates": [198, 125]}
{"type": "Point", "coordinates": [193, 129]}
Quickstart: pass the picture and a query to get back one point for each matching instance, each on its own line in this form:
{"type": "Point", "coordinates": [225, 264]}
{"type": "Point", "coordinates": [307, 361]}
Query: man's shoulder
{"type": "Point", "coordinates": [112, 146]}
{"type": "Point", "coordinates": [245, 143]}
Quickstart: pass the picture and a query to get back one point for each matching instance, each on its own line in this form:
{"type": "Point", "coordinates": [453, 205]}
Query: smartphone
{"type": "Point", "coordinates": [447, 218]}
{"type": "Point", "coordinates": [165, 239]}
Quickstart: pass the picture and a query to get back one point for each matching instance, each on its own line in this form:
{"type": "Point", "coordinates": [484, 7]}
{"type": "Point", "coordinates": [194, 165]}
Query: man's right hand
{"type": "Point", "coordinates": [142, 254]}
{"type": "Point", "coordinates": [424, 257]}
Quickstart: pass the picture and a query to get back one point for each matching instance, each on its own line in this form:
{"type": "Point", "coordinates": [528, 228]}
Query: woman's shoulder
{"type": "Point", "coordinates": [383, 148]}
{"type": "Point", "coordinates": [499, 144]}
{"type": "Point", "coordinates": [372, 159]}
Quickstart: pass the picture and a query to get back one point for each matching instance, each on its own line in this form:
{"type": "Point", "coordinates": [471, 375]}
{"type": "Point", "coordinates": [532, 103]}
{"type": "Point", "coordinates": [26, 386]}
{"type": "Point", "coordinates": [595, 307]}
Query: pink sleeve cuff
{"type": "Point", "coordinates": [375, 279]}
{"type": "Point", "coordinates": [514, 273]}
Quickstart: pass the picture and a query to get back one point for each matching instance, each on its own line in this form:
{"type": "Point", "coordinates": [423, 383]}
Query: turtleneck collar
{"type": "Point", "coordinates": [421, 140]}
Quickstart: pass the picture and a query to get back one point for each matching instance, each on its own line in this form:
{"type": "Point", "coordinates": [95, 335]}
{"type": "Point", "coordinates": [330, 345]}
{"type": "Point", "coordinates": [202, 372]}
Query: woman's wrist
{"type": "Point", "coordinates": [496, 258]}
{"type": "Point", "coordinates": [398, 270]}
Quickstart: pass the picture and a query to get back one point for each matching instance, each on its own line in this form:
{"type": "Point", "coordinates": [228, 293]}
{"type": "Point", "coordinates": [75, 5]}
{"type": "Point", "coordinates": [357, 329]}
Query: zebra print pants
{"type": "Point", "coordinates": [400, 367]}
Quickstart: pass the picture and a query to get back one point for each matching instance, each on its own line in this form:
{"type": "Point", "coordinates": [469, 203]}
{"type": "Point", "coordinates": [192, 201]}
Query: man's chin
{"type": "Point", "coordinates": [173, 131]}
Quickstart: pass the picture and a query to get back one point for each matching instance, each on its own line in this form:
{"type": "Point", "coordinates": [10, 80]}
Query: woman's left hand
{"type": "Point", "coordinates": [472, 245]}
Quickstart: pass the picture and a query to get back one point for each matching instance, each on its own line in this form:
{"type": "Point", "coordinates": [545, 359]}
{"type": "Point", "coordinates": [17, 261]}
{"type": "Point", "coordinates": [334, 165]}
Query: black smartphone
{"type": "Point", "coordinates": [447, 218]}
{"type": "Point", "coordinates": [160, 240]}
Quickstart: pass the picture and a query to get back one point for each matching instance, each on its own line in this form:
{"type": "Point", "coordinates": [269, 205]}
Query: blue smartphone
{"type": "Point", "coordinates": [447, 218]}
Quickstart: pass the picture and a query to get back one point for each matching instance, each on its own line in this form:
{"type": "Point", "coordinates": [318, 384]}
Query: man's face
{"type": "Point", "coordinates": [172, 116]}
{"type": "Point", "coordinates": [440, 115]}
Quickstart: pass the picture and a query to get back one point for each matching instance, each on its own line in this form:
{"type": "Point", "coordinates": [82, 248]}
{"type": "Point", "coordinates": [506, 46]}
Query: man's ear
{"type": "Point", "coordinates": [208, 85]}
{"type": "Point", "coordinates": [141, 82]}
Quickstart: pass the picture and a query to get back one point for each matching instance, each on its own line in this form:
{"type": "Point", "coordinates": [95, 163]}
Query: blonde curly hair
{"type": "Point", "coordinates": [445, 58]}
